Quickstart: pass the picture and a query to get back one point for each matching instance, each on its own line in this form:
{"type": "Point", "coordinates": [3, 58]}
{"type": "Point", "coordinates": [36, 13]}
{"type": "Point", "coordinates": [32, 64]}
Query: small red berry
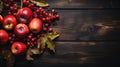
{"type": "Point", "coordinates": [40, 9]}
{"type": "Point", "coordinates": [10, 38]}
{"type": "Point", "coordinates": [11, 8]}
{"type": "Point", "coordinates": [43, 19]}
{"type": "Point", "coordinates": [48, 19]}
{"type": "Point", "coordinates": [28, 43]}
{"type": "Point", "coordinates": [11, 41]}
{"type": "Point", "coordinates": [28, 39]}
{"type": "Point", "coordinates": [44, 29]}
{"type": "Point", "coordinates": [46, 24]}
{"type": "Point", "coordinates": [7, 5]}
{"type": "Point", "coordinates": [53, 11]}
{"type": "Point", "coordinates": [9, 13]}
{"type": "Point", "coordinates": [15, 5]}
{"type": "Point", "coordinates": [35, 43]}
{"type": "Point", "coordinates": [57, 16]}
{"type": "Point", "coordinates": [33, 39]}
{"type": "Point", "coordinates": [53, 17]}
{"type": "Point", "coordinates": [35, 15]}
{"type": "Point", "coordinates": [26, 2]}
{"type": "Point", "coordinates": [11, 0]}
{"type": "Point", "coordinates": [50, 29]}
{"type": "Point", "coordinates": [29, 36]}
{"type": "Point", "coordinates": [15, 9]}
{"type": "Point", "coordinates": [44, 12]}
{"type": "Point", "coordinates": [13, 35]}
{"type": "Point", "coordinates": [32, 4]}
{"type": "Point", "coordinates": [14, 14]}
{"type": "Point", "coordinates": [5, 1]}
{"type": "Point", "coordinates": [42, 35]}
{"type": "Point", "coordinates": [49, 14]}
{"type": "Point", "coordinates": [37, 10]}
{"type": "Point", "coordinates": [38, 36]}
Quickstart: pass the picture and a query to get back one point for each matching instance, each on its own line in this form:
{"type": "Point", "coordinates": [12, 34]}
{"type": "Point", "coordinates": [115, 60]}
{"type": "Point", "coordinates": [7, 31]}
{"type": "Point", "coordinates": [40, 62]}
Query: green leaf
{"type": "Point", "coordinates": [41, 3]}
{"type": "Point", "coordinates": [32, 51]}
{"type": "Point", "coordinates": [1, 6]}
{"type": "Point", "coordinates": [53, 35]}
{"type": "Point", "coordinates": [35, 51]}
{"type": "Point", "coordinates": [8, 56]}
{"type": "Point", "coordinates": [29, 54]}
{"type": "Point", "coordinates": [50, 45]}
{"type": "Point", "coordinates": [42, 43]}
{"type": "Point", "coordinates": [47, 41]}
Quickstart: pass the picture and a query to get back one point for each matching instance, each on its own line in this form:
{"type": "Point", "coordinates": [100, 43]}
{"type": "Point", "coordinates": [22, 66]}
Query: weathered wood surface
{"type": "Point", "coordinates": [89, 35]}
{"type": "Point", "coordinates": [77, 53]}
{"type": "Point", "coordinates": [87, 25]}
{"type": "Point", "coordinates": [84, 3]}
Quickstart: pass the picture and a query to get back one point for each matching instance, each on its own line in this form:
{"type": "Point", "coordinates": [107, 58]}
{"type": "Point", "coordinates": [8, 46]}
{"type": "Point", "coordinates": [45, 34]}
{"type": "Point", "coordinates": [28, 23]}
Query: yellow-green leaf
{"type": "Point", "coordinates": [53, 35]}
{"type": "Point", "coordinates": [35, 51]}
{"type": "Point", "coordinates": [47, 41]}
{"type": "Point", "coordinates": [42, 43]}
{"type": "Point", "coordinates": [41, 3]}
{"type": "Point", "coordinates": [50, 45]}
{"type": "Point", "coordinates": [1, 6]}
{"type": "Point", "coordinates": [32, 51]}
{"type": "Point", "coordinates": [29, 54]}
{"type": "Point", "coordinates": [8, 56]}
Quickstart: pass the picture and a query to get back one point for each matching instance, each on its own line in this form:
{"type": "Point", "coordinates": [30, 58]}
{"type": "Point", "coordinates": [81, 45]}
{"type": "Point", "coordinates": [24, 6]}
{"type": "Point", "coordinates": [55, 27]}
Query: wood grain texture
{"type": "Point", "coordinates": [84, 3]}
{"type": "Point", "coordinates": [90, 34]}
{"type": "Point", "coordinates": [89, 25]}
{"type": "Point", "coordinates": [81, 53]}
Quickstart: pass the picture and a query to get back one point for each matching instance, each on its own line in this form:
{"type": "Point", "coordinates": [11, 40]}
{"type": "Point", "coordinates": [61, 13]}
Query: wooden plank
{"type": "Point", "coordinates": [88, 25]}
{"type": "Point", "coordinates": [77, 53]}
{"type": "Point", "coordinates": [84, 3]}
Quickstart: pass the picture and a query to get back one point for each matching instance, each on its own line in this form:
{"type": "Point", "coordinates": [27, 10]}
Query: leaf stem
{"type": "Point", "coordinates": [21, 4]}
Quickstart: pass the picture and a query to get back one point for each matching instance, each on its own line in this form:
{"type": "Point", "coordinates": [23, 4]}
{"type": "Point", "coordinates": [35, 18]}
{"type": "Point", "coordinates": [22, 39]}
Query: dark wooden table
{"type": "Point", "coordinates": [90, 35]}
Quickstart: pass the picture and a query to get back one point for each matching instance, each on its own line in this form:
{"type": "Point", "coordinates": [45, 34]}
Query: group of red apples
{"type": "Point", "coordinates": [21, 27]}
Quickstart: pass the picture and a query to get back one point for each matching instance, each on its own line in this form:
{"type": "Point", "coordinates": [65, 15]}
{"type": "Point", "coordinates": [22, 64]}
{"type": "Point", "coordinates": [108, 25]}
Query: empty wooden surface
{"type": "Point", "coordinates": [77, 54]}
{"type": "Point", "coordinates": [84, 3]}
{"type": "Point", "coordinates": [89, 25]}
{"type": "Point", "coordinates": [90, 34]}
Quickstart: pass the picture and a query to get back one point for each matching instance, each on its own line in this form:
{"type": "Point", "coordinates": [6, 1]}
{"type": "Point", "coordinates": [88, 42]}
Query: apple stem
{"type": "Point", "coordinates": [16, 48]}
{"type": "Point", "coordinates": [21, 28]}
{"type": "Point", "coordinates": [21, 4]}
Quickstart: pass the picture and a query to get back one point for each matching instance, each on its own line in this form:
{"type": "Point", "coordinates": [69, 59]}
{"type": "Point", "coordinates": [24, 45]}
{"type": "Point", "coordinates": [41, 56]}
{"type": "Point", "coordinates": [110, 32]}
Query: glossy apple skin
{"type": "Point", "coordinates": [9, 22]}
{"type": "Point", "coordinates": [21, 30]}
{"type": "Point", "coordinates": [24, 15]}
{"type": "Point", "coordinates": [1, 19]}
{"type": "Point", "coordinates": [35, 25]}
{"type": "Point", "coordinates": [3, 36]}
{"type": "Point", "coordinates": [18, 48]}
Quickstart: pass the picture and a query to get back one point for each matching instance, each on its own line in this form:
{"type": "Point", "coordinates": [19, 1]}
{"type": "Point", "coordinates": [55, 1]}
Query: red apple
{"type": "Point", "coordinates": [35, 25]}
{"type": "Point", "coordinates": [1, 19]}
{"type": "Point", "coordinates": [3, 36]}
{"type": "Point", "coordinates": [9, 22]}
{"type": "Point", "coordinates": [26, 2]}
{"type": "Point", "coordinates": [18, 48]}
{"type": "Point", "coordinates": [21, 30]}
{"type": "Point", "coordinates": [24, 15]}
